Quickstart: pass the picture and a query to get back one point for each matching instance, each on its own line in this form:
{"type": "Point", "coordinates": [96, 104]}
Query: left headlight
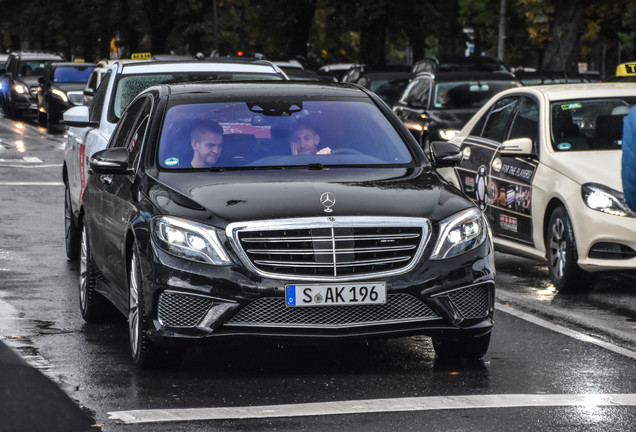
{"type": "Point", "coordinates": [189, 240]}
{"type": "Point", "coordinates": [606, 200]}
{"type": "Point", "coordinates": [20, 88]}
{"type": "Point", "coordinates": [59, 94]}
{"type": "Point", "coordinates": [460, 233]}
{"type": "Point", "coordinates": [448, 134]}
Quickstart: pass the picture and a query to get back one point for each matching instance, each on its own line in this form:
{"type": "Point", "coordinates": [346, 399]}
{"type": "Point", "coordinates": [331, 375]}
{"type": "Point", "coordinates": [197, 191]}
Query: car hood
{"type": "Point", "coordinates": [226, 197]}
{"type": "Point", "coordinates": [603, 166]}
{"type": "Point", "coordinates": [69, 86]}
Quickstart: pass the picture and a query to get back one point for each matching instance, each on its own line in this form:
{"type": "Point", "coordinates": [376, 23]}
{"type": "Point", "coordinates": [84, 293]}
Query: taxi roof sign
{"type": "Point", "coordinates": [147, 55]}
{"type": "Point", "coordinates": [626, 69]}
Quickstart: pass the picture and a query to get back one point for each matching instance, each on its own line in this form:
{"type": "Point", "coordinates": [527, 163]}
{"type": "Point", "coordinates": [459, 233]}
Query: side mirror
{"type": "Point", "coordinates": [517, 147]}
{"type": "Point", "coordinates": [445, 154]}
{"type": "Point", "coordinates": [78, 116]}
{"type": "Point", "coordinates": [110, 161]}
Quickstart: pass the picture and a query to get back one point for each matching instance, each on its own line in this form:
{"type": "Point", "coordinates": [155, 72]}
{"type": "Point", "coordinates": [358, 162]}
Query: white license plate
{"type": "Point", "coordinates": [367, 293]}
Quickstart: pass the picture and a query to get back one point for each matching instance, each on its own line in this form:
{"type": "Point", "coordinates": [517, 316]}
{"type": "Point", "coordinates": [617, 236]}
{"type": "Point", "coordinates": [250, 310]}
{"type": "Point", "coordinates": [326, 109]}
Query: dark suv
{"type": "Point", "coordinates": [20, 81]}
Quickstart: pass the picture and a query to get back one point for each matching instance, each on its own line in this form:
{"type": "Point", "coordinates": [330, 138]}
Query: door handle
{"type": "Point", "coordinates": [107, 180]}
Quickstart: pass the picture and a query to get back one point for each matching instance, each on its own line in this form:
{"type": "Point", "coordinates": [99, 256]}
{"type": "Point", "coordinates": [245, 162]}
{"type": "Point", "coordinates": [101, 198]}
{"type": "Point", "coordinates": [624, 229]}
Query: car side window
{"type": "Point", "coordinates": [135, 141]}
{"type": "Point", "coordinates": [526, 121]}
{"type": "Point", "coordinates": [126, 125]}
{"type": "Point", "coordinates": [498, 119]}
{"type": "Point", "coordinates": [97, 105]}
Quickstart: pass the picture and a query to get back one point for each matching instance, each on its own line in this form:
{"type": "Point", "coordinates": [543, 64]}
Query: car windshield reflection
{"type": "Point", "coordinates": [279, 134]}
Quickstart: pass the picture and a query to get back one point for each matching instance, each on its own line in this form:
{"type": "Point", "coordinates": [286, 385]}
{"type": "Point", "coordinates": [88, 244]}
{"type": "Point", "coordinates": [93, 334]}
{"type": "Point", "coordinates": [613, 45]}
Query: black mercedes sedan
{"type": "Point", "coordinates": [289, 210]}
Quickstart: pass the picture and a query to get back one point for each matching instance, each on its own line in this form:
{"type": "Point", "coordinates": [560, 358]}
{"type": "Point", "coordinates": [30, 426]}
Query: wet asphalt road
{"type": "Point", "coordinates": [572, 370]}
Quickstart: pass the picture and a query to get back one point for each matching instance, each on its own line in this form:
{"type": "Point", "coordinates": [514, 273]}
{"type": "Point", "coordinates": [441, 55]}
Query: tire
{"type": "Point", "coordinates": [562, 256]}
{"type": "Point", "coordinates": [71, 233]}
{"type": "Point", "coordinates": [463, 348]}
{"type": "Point", "coordinates": [93, 306]}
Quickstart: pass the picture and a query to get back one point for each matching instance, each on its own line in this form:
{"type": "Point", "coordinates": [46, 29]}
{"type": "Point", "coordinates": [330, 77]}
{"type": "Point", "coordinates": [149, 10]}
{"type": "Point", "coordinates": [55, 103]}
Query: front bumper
{"type": "Point", "coordinates": [187, 300]}
{"type": "Point", "coordinates": [604, 242]}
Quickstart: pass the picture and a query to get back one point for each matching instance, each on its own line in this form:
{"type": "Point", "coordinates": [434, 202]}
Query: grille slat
{"type": "Point", "coordinates": [352, 247]}
{"type": "Point", "coordinates": [272, 312]}
{"type": "Point", "coordinates": [76, 97]}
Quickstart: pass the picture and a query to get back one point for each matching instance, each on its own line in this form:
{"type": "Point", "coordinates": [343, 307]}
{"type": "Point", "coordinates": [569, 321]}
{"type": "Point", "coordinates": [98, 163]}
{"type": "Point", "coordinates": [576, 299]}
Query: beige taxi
{"type": "Point", "coordinates": [544, 165]}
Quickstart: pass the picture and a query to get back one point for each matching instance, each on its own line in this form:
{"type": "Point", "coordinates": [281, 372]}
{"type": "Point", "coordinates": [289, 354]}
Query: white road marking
{"type": "Point", "coordinates": [25, 159]}
{"type": "Point", "coordinates": [31, 184]}
{"type": "Point", "coordinates": [375, 406]}
{"type": "Point", "coordinates": [565, 331]}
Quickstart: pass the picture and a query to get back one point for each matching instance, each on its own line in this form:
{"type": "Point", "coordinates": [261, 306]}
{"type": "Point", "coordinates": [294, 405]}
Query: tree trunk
{"type": "Point", "coordinates": [448, 27]}
{"type": "Point", "coordinates": [301, 26]}
{"type": "Point", "coordinates": [562, 52]}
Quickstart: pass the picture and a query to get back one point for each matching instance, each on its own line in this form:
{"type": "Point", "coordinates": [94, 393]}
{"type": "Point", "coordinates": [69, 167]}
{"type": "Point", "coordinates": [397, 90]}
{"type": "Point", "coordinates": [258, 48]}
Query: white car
{"type": "Point", "coordinates": [92, 126]}
{"type": "Point", "coordinates": [544, 164]}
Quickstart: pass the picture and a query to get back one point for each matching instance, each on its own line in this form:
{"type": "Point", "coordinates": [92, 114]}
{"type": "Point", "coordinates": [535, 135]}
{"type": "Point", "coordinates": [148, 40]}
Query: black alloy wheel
{"type": "Point", "coordinates": [562, 256]}
{"type": "Point", "coordinates": [93, 306]}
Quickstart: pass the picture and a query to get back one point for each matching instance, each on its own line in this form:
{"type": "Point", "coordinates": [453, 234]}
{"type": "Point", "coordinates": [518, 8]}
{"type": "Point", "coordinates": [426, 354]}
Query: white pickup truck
{"type": "Point", "coordinates": [92, 126]}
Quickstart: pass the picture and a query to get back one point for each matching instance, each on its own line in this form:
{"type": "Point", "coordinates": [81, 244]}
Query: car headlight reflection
{"type": "Point", "coordinates": [189, 240]}
{"type": "Point", "coordinates": [460, 233]}
{"type": "Point", "coordinates": [606, 200]}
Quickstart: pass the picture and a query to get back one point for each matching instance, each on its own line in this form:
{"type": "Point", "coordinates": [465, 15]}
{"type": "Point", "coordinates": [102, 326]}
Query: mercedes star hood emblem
{"type": "Point", "coordinates": [328, 200]}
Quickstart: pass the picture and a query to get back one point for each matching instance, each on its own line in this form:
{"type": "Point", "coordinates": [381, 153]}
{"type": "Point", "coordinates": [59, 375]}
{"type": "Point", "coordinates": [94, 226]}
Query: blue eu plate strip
{"type": "Point", "coordinates": [290, 295]}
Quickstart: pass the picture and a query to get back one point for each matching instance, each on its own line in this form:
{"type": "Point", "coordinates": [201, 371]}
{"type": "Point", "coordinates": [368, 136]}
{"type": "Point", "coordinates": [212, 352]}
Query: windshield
{"type": "Point", "coordinates": [72, 74]}
{"type": "Point", "coordinates": [128, 87]}
{"type": "Point", "coordinates": [468, 94]}
{"type": "Point", "coordinates": [279, 134]}
{"type": "Point", "coordinates": [34, 67]}
{"type": "Point", "coordinates": [589, 124]}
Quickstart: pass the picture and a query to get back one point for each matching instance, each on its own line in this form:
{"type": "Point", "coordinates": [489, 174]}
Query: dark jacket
{"type": "Point", "coordinates": [628, 171]}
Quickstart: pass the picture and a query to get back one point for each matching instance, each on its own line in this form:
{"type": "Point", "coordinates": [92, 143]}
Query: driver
{"type": "Point", "coordinates": [304, 140]}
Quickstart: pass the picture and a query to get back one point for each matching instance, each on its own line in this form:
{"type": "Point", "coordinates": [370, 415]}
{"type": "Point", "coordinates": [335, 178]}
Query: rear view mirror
{"type": "Point", "coordinates": [517, 147]}
{"type": "Point", "coordinates": [78, 116]}
{"type": "Point", "coordinates": [445, 154]}
{"type": "Point", "coordinates": [110, 161]}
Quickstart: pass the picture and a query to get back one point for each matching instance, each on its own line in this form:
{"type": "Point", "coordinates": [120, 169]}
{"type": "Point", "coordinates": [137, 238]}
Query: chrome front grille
{"type": "Point", "coordinates": [76, 97]}
{"type": "Point", "coordinates": [331, 249]}
{"type": "Point", "coordinates": [272, 312]}
{"type": "Point", "coordinates": [182, 310]}
{"type": "Point", "coordinates": [472, 302]}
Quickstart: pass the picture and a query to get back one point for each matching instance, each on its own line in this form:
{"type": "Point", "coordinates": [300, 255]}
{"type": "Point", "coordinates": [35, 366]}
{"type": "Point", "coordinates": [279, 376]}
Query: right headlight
{"type": "Point", "coordinates": [604, 199]}
{"type": "Point", "coordinates": [189, 240]}
{"type": "Point", "coordinates": [460, 233]}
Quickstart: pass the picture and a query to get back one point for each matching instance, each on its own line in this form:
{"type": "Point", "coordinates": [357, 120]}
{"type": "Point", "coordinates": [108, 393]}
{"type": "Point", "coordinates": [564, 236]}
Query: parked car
{"type": "Point", "coordinates": [363, 241]}
{"type": "Point", "coordinates": [388, 81]}
{"type": "Point", "coordinates": [20, 81]}
{"type": "Point", "coordinates": [544, 164]}
{"type": "Point", "coordinates": [435, 106]}
{"type": "Point", "coordinates": [61, 88]}
{"type": "Point", "coordinates": [91, 127]}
